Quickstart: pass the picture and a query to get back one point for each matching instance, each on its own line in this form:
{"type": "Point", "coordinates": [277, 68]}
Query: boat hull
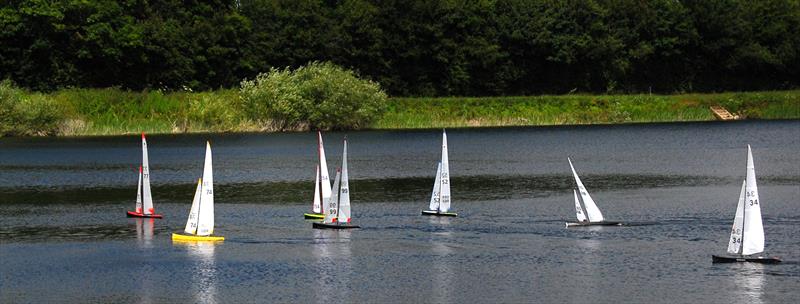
{"type": "Point", "coordinates": [136, 214]}
{"type": "Point", "coordinates": [333, 226]}
{"type": "Point", "coordinates": [196, 238]}
{"type": "Point", "coordinates": [313, 216]}
{"type": "Point", "coordinates": [744, 258]}
{"type": "Point", "coordinates": [436, 213]}
{"type": "Point", "coordinates": [603, 223]}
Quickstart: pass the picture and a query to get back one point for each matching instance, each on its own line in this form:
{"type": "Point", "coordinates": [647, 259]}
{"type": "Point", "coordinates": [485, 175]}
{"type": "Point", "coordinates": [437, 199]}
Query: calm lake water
{"type": "Point", "coordinates": [65, 237]}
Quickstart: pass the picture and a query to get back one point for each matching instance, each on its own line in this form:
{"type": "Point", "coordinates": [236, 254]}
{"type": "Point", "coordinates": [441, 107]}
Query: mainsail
{"type": "Point", "coordinates": [323, 174]}
{"type": "Point", "coordinates": [753, 237]}
{"type": "Point", "coordinates": [444, 190]}
{"type": "Point", "coordinates": [592, 211]}
{"type": "Point", "coordinates": [735, 244]}
{"type": "Point", "coordinates": [147, 198]}
{"type": "Point", "coordinates": [205, 222]}
{"type": "Point", "coordinates": [344, 190]}
{"type": "Point", "coordinates": [578, 209]}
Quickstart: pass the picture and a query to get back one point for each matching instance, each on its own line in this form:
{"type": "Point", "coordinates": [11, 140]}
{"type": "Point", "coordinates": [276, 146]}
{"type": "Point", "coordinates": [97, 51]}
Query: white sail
{"type": "Point", "coordinates": [147, 198]}
{"type": "Point", "coordinates": [735, 243]}
{"type": "Point", "coordinates": [753, 237]}
{"type": "Point", "coordinates": [344, 190]}
{"type": "Point", "coordinates": [317, 205]}
{"type": "Point", "coordinates": [205, 222]}
{"type": "Point", "coordinates": [139, 193]}
{"type": "Point", "coordinates": [578, 209]}
{"type": "Point", "coordinates": [323, 170]}
{"type": "Point", "coordinates": [331, 206]}
{"type": "Point", "coordinates": [444, 190]}
{"type": "Point", "coordinates": [592, 211]}
{"type": "Point", "coordinates": [191, 222]}
{"type": "Point", "coordinates": [435, 196]}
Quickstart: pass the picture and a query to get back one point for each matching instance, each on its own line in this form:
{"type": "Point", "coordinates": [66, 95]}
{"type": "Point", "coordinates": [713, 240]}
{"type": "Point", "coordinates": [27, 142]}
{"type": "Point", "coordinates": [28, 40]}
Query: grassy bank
{"type": "Point", "coordinates": [583, 109]}
{"type": "Point", "coordinates": [112, 111]}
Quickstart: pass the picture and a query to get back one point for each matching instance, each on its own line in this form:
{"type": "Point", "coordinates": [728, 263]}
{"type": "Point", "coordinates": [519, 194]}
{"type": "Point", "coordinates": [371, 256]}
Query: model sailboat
{"type": "Point", "coordinates": [440, 196]}
{"type": "Point", "coordinates": [322, 184]}
{"type": "Point", "coordinates": [747, 234]}
{"type": "Point", "coordinates": [337, 208]}
{"type": "Point", "coordinates": [144, 199]}
{"type": "Point", "coordinates": [200, 225]}
{"type": "Point", "coordinates": [592, 216]}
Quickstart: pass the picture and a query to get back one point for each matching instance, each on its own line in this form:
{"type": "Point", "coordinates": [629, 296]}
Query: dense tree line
{"type": "Point", "coordinates": [411, 47]}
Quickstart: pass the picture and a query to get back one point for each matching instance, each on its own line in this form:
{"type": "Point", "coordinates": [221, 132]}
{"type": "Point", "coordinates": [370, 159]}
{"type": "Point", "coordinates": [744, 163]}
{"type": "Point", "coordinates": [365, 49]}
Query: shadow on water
{"type": "Point", "coordinates": [485, 187]}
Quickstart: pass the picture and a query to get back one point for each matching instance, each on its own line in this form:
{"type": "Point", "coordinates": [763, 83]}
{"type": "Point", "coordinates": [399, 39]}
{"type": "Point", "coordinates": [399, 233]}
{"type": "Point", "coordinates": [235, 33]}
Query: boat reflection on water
{"type": "Point", "coordinates": [334, 265]}
{"type": "Point", "coordinates": [144, 232]}
{"type": "Point", "coordinates": [588, 282]}
{"type": "Point", "coordinates": [204, 272]}
{"type": "Point", "coordinates": [749, 280]}
{"type": "Point", "coordinates": [442, 268]}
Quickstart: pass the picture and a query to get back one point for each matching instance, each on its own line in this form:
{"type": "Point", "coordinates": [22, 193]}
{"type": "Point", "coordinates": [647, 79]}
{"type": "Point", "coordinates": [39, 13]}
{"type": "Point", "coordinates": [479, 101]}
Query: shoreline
{"type": "Point", "coordinates": [248, 132]}
{"type": "Point", "coordinates": [113, 112]}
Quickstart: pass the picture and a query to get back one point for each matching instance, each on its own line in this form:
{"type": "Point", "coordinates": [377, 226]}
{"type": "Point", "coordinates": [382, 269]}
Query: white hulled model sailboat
{"type": "Point", "coordinates": [200, 224]}
{"type": "Point", "coordinates": [746, 243]}
{"type": "Point", "coordinates": [592, 216]}
{"type": "Point", "coordinates": [322, 184]}
{"type": "Point", "coordinates": [144, 199]}
{"type": "Point", "coordinates": [337, 208]}
{"type": "Point", "coordinates": [440, 196]}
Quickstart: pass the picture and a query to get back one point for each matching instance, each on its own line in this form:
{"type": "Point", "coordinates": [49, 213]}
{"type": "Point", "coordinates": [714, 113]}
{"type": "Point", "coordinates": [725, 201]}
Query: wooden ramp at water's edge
{"type": "Point", "coordinates": [722, 113]}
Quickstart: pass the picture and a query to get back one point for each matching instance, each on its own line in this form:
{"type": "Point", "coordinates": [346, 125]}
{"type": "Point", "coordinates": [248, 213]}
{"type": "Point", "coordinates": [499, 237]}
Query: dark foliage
{"type": "Point", "coordinates": [412, 48]}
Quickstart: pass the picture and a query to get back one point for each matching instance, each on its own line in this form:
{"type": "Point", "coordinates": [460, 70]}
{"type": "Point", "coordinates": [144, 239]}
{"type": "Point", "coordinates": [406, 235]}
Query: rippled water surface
{"type": "Point", "coordinates": [65, 237]}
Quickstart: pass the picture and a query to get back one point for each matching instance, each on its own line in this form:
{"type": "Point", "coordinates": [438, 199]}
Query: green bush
{"type": "Point", "coordinates": [319, 95]}
{"type": "Point", "coordinates": [23, 114]}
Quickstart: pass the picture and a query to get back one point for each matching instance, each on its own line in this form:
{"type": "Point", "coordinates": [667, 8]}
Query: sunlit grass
{"type": "Point", "coordinates": [583, 109]}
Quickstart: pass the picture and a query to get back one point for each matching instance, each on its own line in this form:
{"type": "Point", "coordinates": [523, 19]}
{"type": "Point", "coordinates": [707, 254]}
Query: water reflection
{"type": "Point", "coordinates": [204, 272]}
{"type": "Point", "coordinates": [334, 265]}
{"type": "Point", "coordinates": [144, 232]}
{"type": "Point", "coordinates": [443, 272]}
{"type": "Point", "coordinates": [749, 280]}
{"type": "Point", "coordinates": [588, 279]}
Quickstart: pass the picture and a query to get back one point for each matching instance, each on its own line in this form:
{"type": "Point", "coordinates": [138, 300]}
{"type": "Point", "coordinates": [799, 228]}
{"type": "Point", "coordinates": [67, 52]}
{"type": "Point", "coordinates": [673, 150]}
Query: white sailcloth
{"type": "Point", "coordinates": [578, 209]}
{"type": "Point", "coordinates": [147, 198]}
{"type": "Point", "coordinates": [435, 196]}
{"type": "Point", "coordinates": [331, 206]}
{"type": "Point", "coordinates": [317, 205]}
{"type": "Point", "coordinates": [753, 237]}
{"type": "Point", "coordinates": [191, 222]}
{"type": "Point", "coordinates": [139, 193]}
{"type": "Point", "coordinates": [205, 222]}
{"type": "Point", "coordinates": [735, 243]}
{"type": "Point", "coordinates": [344, 190]}
{"type": "Point", "coordinates": [323, 170]}
{"type": "Point", "coordinates": [444, 190]}
{"type": "Point", "coordinates": [592, 211]}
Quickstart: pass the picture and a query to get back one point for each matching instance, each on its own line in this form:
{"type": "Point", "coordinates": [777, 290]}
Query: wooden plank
{"type": "Point", "coordinates": [722, 113]}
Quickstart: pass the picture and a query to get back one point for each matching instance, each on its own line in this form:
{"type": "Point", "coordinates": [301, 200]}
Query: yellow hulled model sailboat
{"type": "Point", "coordinates": [200, 225]}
